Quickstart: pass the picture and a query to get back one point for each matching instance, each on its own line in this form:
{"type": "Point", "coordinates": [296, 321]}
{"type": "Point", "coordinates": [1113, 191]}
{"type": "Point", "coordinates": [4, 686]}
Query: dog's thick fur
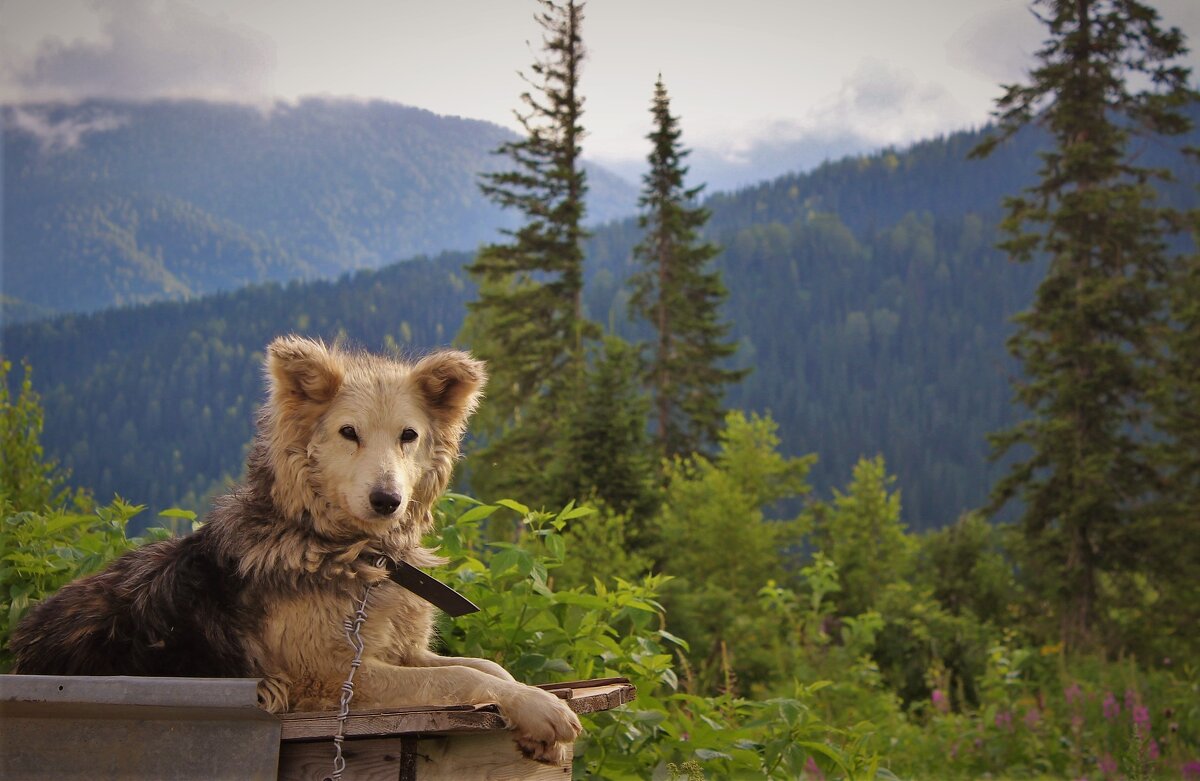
{"type": "Point", "coordinates": [352, 450]}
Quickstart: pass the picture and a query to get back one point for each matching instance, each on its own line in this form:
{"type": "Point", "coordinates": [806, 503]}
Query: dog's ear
{"type": "Point", "coordinates": [452, 384]}
{"type": "Point", "coordinates": [303, 370]}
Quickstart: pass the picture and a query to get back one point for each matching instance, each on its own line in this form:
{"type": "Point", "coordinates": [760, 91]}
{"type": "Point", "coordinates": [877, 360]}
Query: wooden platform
{"type": "Point", "coordinates": [63, 727]}
{"type": "Point", "coordinates": [458, 743]}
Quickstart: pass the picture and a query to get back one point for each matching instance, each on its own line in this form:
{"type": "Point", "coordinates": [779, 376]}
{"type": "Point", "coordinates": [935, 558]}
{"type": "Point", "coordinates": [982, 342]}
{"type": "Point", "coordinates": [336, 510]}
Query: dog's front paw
{"type": "Point", "coordinates": [545, 726]}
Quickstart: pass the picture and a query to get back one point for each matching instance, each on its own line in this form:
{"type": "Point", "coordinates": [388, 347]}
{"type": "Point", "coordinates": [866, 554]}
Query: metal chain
{"type": "Point", "coordinates": [352, 627]}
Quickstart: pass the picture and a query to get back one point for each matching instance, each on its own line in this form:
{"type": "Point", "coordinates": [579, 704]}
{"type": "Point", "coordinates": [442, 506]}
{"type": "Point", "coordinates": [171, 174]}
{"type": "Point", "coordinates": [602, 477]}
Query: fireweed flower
{"type": "Point", "coordinates": [1141, 719]}
{"type": "Point", "coordinates": [1032, 717]}
{"type": "Point", "coordinates": [1191, 770]}
{"type": "Point", "coordinates": [1072, 693]}
{"type": "Point", "coordinates": [1152, 750]}
{"type": "Point", "coordinates": [939, 701]}
{"type": "Point", "coordinates": [1003, 720]}
{"type": "Point", "coordinates": [1112, 708]}
{"type": "Point", "coordinates": [1108, 765]}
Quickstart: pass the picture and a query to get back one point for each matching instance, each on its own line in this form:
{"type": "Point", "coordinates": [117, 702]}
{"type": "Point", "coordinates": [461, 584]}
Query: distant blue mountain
{"type": "Point", "coordinates": [109, 203]}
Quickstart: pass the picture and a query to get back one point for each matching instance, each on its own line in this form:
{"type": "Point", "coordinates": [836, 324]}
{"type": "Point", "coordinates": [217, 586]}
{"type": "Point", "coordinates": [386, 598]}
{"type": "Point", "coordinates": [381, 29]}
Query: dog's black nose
{"type": "Point", "coordinates": [384, 502]}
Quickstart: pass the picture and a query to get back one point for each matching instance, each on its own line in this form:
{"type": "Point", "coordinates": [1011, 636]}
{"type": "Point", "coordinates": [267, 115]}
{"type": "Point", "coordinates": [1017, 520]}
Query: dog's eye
{"type": "Point", "coordinates": [408, 435]}
{"type": "Point", "coordinates": [349, 433]}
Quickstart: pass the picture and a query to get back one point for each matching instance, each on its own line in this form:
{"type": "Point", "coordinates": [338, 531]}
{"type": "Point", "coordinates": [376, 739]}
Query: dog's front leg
{"type": "Point", "coordinates": [430, 659]}
{"type": "Point", "coordinates": [543, 724]}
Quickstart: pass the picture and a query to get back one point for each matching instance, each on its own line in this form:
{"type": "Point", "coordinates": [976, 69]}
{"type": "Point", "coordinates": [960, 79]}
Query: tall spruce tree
{"type": "Point", "coordinates": [680, 295]}
{"type": "Point", "coordinates": [528, 321]}
{"type": "Point", "coordinates": [1088, 345]}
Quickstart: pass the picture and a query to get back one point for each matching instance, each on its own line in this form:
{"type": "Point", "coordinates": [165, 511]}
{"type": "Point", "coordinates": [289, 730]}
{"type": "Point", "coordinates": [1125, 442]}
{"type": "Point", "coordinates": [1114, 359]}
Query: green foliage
{"type": "Point", "coordinates": [715, 536]}
{"type": "Point", "coordinates": [606, 454]}
{"type": "Point", "coordinates": [602, 548]}
{"type": "Point", "coordinates": [27, 479]}
{"type": "Point", "coordinates": [543, 633]}
{"type": "Point", "coordinates": [862, 534]}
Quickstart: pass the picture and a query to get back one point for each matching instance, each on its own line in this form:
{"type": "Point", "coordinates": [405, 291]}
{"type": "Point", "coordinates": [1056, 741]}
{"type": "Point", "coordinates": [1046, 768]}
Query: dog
{"type": "Point", "coordinates": [351, 452]}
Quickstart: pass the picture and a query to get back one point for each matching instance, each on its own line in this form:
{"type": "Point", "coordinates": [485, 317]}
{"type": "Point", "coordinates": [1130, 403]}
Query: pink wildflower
{"type": "Point", "coordinates": [1131, 699]}
{"type": "Point", "coordinates": [1141, 719]}
{"type": "Point", "coordinates": [811, 770]}
{"type": "Point", "coordinates": [1032, 717]}
{"type": "Point", "coordinates": [1003, 720]}
{"type": "Point", "coordinates": [1108, 765]}
{"type": "Point", "coordinates": [1072, 693]}
{"type": "Point", "coordinates": [1191, 770]}
{"type": "Point", "coordinates": [940, 703]}
{"type": "Point", "coordinates": [1152, 750]}
{"type": "Point", "coordinates": [1112, 708]}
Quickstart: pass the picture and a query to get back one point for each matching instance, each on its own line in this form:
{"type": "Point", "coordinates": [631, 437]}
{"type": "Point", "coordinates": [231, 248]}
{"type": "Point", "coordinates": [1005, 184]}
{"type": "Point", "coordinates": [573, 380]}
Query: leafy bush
{"type": "Point", "coordinates": [618, 628]}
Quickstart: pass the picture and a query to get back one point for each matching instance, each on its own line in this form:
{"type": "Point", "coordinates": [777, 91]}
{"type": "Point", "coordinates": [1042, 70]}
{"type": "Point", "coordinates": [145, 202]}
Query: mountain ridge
{"type": "Point", "coordinates": [867, 295]}
{"type": "Point", "coordinates": [112, 202]}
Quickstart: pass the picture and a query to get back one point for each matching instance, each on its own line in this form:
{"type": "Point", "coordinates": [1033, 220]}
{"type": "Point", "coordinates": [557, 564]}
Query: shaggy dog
{"type": "Point", "coordinates": [351, 452]}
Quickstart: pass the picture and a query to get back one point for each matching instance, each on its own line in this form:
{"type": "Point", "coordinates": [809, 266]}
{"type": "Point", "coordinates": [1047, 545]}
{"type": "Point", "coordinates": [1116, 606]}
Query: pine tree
{"type": "Point", "coordinates": [680, 297]}
{"type": "Point", "coordinates": [1088, 343]}
{"type": "Point", "coordinates": [528, 321]}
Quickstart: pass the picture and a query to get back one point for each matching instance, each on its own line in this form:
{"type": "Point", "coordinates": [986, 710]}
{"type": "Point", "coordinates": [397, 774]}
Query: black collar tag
{"type": "Point", "coordinates": [430, 589]}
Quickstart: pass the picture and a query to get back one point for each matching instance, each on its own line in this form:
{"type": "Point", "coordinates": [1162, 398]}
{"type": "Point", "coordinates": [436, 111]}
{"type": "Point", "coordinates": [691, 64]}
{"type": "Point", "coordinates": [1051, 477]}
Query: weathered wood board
{"type": "Point", "coordinates": [453, 743]}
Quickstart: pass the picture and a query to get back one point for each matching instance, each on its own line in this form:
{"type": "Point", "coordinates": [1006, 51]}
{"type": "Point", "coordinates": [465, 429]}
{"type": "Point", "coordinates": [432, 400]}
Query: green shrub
{"type": "Point", "coordinates": [618, 628]}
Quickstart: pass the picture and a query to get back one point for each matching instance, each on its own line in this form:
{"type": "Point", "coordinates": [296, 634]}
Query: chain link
{"type": "Point", "coordinates": [352, 627]}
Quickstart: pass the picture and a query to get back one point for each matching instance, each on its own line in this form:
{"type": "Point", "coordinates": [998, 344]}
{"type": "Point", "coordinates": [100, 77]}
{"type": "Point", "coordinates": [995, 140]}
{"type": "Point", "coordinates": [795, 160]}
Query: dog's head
{"type": "Point", "coordinates": [364, 444]}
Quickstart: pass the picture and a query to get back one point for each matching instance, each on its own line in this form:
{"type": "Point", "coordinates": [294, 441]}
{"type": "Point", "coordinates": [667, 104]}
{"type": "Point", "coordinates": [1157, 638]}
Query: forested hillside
{"type": "Point", "coordinates": [866, 295]}
{"type": "Point", "coordinates": [110, 203]}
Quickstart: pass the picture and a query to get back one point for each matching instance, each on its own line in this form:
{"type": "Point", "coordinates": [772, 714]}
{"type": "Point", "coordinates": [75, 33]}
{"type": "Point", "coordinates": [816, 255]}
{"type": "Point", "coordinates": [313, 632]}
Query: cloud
{"type": "Point", "coordinates": [65, 133]}
{"type": "Point", "coordinates": [878, 105]}
{"type": "Point", "coordinates": [997, 44]}
{"type": "Point", "coordinates": [887, 105]}
{"type": "Point", "coordinates": [148, 50]}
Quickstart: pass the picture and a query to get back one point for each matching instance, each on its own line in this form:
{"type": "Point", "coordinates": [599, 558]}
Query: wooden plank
{"type": "Point", "coordinates": [584, 698]}
{"type": "Point", "coordinates": [482, 757]}
{"type": "Point", "coordinates": [488, 756]}
{"type": "Point", "coordinates": [370, 759]}
{"type": "Point", "coordinates": [399, 721]}
{"type": "Point", "coordinates": [599, 698]}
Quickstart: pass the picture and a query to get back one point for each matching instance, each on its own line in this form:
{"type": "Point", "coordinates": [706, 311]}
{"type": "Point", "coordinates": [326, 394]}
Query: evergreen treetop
{"type": "Point", "coordinates": [528, 320]}
{"type": "Point", "coordinates": [680, 295]}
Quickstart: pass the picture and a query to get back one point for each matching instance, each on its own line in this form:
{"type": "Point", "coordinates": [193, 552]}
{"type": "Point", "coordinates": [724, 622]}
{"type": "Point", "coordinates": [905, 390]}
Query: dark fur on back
{"type": "Point", "coordinates": [172, 608]}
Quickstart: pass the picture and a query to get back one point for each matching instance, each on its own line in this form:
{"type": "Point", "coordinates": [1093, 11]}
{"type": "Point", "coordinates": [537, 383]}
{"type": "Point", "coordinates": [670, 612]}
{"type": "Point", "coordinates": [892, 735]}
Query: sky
{"type": "Point", "coordinates": [751, 80]}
